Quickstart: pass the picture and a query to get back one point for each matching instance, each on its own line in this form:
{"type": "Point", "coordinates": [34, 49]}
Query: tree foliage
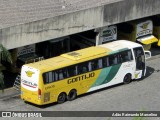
{"type": "Point", "coordinates": [4, 56]}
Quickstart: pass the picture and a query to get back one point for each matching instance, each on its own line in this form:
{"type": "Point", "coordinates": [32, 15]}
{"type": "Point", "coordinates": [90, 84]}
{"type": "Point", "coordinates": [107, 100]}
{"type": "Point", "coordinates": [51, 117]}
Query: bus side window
{"type": "Point", "coordinates": [83, 68]}
{"type": "Point", "coordinates": [94, 65]}
{"type": "Point", "coordinates": [100, 63]}
{"type": "Point", "coordinates": [51, 77]}
{"type": "Point", "coordinates": [90, 66]}
{"type": "Point", "coordinates": [72, 71]}
{"type": "Point", "coordinates": [60, 74]}
{"type": "Point", "coordinates": [56, 75]}
{"type": "Point", "coordinates": [124, 56]}
{"type": "Point", "coordinates": [130, 56]}
{"type": "Point", "coordinates": [105, 62]}
{"type": "Point", "coordinates": [48, 77]}
{"type": "Point", "coordinates": [113, 60]}
{"type": "Point", "coordinates": [45, 78]}
{"type": "Point", "coordinates": [65, 73]}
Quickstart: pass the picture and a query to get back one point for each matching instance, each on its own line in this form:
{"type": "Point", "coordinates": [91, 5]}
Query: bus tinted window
{"type": "Point", "coordinates": [51, 77]}
{"type": "Point", "coordinates": [117, 58]}
{"type": "Point", "coordinates": [61, 74]}
{"type": "Point", "coordinates": [83, 68]}
{"type": "Point", "coordinates": [96, 64]}
{"type": "Point", "coordinates": [48, 77]}
{"type": "Point", "coordinates": [125, 56]}
{"type": "Point", "coordinates": [45, 78]}
{"type": "Point", "coordinates": [113, 60]}
{"type": "Point", "coordinates": [105, 62]}
{"type": "Point", "coordinates": [72, 71]}
{"type": "Point", "coordinates": [130, 56]}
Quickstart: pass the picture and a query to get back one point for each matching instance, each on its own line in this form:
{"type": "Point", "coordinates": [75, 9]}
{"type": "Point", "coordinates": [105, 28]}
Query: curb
{"type": "Point", "coordinates": [7, 89]}
{"type": "Point", "coordinates": [9, 93]}
{"type": "Point", "coordinates": [9, 96]}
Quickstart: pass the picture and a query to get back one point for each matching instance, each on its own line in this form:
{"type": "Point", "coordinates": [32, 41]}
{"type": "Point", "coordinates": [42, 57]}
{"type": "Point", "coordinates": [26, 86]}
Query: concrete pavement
{"type": "Point", "coordinates": [8, 93]}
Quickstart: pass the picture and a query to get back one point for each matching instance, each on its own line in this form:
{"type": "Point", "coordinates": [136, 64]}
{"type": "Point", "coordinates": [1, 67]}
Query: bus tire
{"type": "Point", "coordinates": [61, 98]}
{"type": "Point", "coordinates": [72, 95]}
{"type": "Point", "coordinates": [127, 78]}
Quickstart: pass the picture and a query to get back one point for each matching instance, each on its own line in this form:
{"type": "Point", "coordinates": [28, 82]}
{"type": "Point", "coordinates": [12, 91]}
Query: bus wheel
{"type": "Point", "coordinates": [127, 78]}
{"type": "Point", "coordinates": [61, 98]}
{"type": "Point", "coordinates": [72, 95]}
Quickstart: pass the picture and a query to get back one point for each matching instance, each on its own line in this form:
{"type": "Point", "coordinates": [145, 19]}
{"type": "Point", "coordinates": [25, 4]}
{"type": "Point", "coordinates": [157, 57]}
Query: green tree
{"type": "Point", "coordinates": [4, 56]}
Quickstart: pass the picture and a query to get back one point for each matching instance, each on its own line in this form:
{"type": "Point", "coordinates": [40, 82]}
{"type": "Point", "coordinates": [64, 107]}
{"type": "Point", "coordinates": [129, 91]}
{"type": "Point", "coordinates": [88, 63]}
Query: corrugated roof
{"type": "Point", "coordinates": [15, 12]}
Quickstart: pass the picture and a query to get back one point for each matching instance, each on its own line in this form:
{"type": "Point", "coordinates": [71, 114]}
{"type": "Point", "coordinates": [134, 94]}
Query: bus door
{"type": "Point", "coordinates": [140, 62]}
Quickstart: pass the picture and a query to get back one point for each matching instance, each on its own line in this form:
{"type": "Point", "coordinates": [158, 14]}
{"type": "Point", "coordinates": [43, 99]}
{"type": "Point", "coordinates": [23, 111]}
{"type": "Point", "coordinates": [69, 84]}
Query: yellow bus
{"type": "Point", "coordinates": [140, 31]}
{"type": "Point", "coordinates": [65, 77]}
{"type": "Point", "coordinates": [156, 28]}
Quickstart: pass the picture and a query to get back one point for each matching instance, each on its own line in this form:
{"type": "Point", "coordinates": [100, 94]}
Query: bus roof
{"type": "Point", "coordinates": [82, 55]}
{"type": "Point", "coordinates": [120, 44]}
{"type": "Point", "coordinates": [86, 53]}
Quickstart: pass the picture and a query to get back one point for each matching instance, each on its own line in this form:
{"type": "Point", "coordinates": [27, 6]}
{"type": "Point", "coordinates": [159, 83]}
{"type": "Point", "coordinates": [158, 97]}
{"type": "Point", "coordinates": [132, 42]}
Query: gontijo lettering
{"type": "Point", "coordinates": [30, 84]}
{"type": "Point", "coordinates": [82, 77]}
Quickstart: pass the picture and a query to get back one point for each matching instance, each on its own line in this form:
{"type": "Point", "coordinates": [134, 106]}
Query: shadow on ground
{"type": "Point", "coordinates": [155, 51]}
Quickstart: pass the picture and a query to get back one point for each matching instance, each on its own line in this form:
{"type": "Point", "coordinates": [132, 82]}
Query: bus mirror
{"type": "Point", "coordinates": [147, 54]}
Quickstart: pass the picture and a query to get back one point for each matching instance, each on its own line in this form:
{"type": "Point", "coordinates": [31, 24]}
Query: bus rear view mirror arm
{"type": "Point", "coordinates": [147, 54]}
